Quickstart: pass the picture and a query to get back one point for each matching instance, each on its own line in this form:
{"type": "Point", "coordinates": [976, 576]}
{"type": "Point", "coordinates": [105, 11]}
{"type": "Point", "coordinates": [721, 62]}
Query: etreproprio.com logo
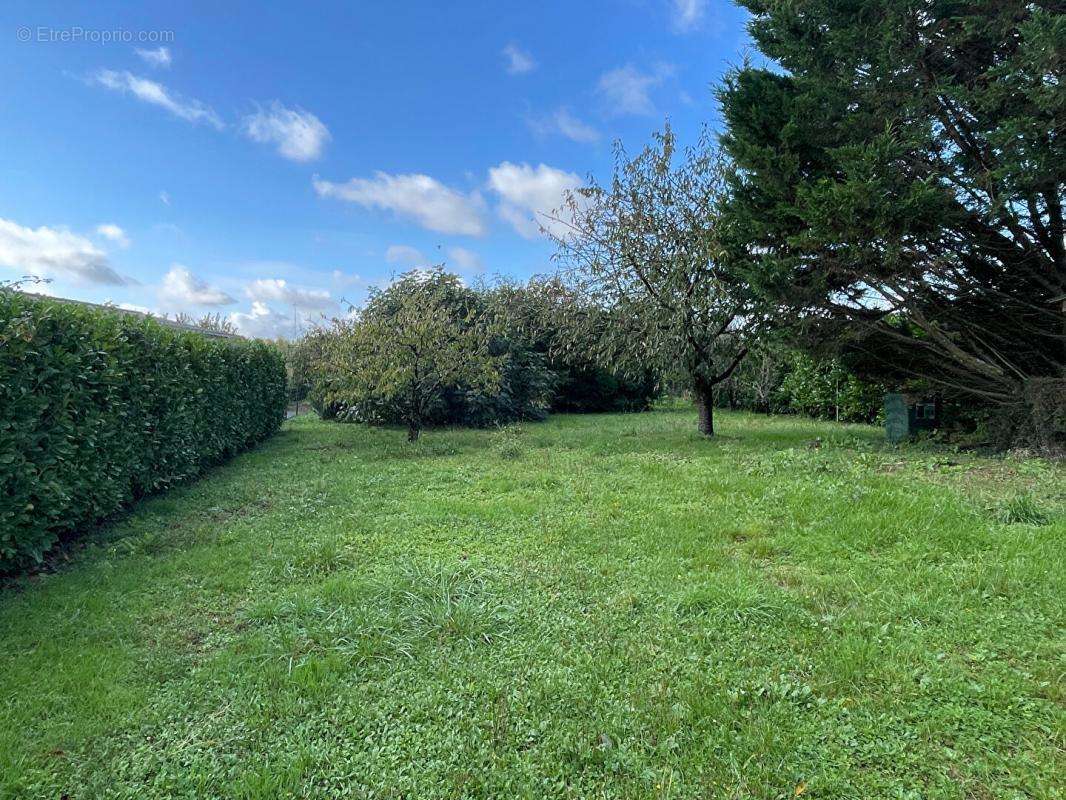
{"type": "Point", "coordinates": [78, 34]}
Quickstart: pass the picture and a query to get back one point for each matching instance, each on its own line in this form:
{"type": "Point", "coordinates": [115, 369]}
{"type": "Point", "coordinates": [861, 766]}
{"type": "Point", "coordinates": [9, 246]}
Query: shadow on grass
{"type": "Point", "coordinates": [282, 462]}
{"type": "Point", "coordinates": [121, 531]}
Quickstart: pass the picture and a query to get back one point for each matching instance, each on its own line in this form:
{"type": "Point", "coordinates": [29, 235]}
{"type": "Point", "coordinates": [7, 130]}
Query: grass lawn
{"type": "Point", "coordinates": [595, 606]}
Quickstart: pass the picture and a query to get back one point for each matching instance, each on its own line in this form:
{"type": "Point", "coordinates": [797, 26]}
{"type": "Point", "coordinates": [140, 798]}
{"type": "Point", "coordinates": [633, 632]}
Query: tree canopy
{"type": "Point", "coordinates": [644, 253]}
{"type": "Point", "coordinates": [411, 343]}
{"type": "Point", "coordinates": [898, 183]}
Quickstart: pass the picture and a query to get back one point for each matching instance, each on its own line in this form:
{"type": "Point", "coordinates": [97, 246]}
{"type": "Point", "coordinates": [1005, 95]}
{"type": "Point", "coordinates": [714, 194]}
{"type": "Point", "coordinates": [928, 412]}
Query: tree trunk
{"type": "Point", "coordinates": [705, 409]}
{"type": "Point", "coordinates": [412, 433]}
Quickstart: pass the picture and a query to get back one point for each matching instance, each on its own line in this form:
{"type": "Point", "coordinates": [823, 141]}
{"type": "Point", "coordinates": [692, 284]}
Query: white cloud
{"type": "Point", "coordinates": [564, 123]}
{"type": "Point", "coordinates": [421, 198]}
{"type": "Point", "coordinates": [465, 260]}
{"type": "Point", "coordinates": [158, 95]}
{"type": "Point", "coordinates": [519, 61]}
{"type": "Point", "coordinates": [113, 233]}
{"type": "Point", "coordinates": [262, 322]}
{"type": "Point", "coordinates": [278, 290]}
{"type": "Point", "coordinates": [626, 90]}
{"type": "Point", "coordinates": [687, 14]}
{"type": "Point", "coordinates": [181, 286]}
{"type": "Point", "coordinates": [344, 279]}
{"type": "Point", "coordinates": [298, 135]}
{"type": "Point", "coordinates": [133, 307]}
{"type": "Point", "coordinates": [405, 256]}
{"type": "Point", "coordinates": [530, 193]}
{"type": "Point", "coordinates": [160, 57]}
{"type": "Point", "coordinates": [47, 251]}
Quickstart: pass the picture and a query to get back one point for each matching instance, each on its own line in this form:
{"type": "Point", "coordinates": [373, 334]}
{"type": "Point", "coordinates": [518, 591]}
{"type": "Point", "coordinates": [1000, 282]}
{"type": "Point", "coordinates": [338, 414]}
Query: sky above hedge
{"type": "Point", "coordinates": [270, 163]}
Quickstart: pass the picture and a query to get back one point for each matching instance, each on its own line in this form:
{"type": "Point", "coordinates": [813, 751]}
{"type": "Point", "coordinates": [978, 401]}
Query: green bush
{"type": "Point", "coordinates": [420, 353]}
{"type": "Point", "coordinates": [543, 317]}
{"type": "Point", "coordinates": [98, 409]}
{"type": "Point", "coordinates": [431, 341]}
{"type": "Point", "coordinates": [828, 390]}
{"type": "Point", "coordinates": [777, 380]}
{"type": "Point", "coordinates": [583, 387]}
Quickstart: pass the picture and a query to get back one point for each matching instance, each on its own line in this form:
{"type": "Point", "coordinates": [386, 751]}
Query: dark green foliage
{"type": "Point", "coordinates": [782, 381]}
{"type": "Point", "coordinates": [98, 409]}
{"type": "Point", "coordinates": [828, 390]}
{"type": "Point", "coordinates": [526, 386]}
{"type": "Point", "coordinates": [899, 184]}
{"type": "Point", "coordinates": [586, 388]}
{"type": "Point", "coordinates": [547, 318]}
{"type": "Point", "coordinates": [512, 331]}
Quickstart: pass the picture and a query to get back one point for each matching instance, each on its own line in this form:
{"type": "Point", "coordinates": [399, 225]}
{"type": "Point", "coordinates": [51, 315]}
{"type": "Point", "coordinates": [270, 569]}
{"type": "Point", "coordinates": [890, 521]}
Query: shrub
{"type": "Point", "coordinates": [774, 379]}
{"type": "Point", "coordinates": [586, 388]}
{"type": "Point", "coordinates": [420, 353]}
{"type": "Point", "coordinates": [825, 388]}
{"type": "Point", "coordinates": [98, 409]}
{"type": "Point", "coordinates": [430, 351]}
{"type": "Point", "coordinates": [544, 317]}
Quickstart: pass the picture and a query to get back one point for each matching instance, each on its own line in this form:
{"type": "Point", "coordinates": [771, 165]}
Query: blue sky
{"type": "Point", "coordinates": [267, 161]}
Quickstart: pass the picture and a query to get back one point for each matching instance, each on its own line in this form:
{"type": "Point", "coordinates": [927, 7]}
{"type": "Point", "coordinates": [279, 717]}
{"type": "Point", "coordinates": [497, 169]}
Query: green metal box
{"type": "Point", "coordinates": [905, 415]}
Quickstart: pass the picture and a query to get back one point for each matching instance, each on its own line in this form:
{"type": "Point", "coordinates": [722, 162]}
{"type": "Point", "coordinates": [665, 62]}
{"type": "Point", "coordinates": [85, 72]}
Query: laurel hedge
{"type": "Point", "coordinates": [98, 409]}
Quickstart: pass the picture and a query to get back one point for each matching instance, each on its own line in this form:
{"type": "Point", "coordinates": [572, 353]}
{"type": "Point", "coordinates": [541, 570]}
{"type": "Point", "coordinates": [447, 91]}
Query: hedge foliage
{"type": "Point", "coordinates": [98, 409]}
{"type": "Point", "coordinates": [782, 381]}
{"type": "Point", "coordinates": [512, 332]}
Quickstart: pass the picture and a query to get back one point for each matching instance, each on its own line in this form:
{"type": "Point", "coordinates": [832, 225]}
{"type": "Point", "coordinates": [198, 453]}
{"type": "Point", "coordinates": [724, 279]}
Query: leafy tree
{"type": "Point", "coordinates": [645, 253]}
{"type": "Point", "coordinates": [899, 183]}
{"type": "Point", "coordinates": [407, 348]}
{"type": "Point", "coordinates": [755, 384]}
{"type": "Point", "coordinates": [827, 389]}
{"type": "Point", "coordinates": [542, 317]}
{"type": "Point", "coordinates": [213, 323]}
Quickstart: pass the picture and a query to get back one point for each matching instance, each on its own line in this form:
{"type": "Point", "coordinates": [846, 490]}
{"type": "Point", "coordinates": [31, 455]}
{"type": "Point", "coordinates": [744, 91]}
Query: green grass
{"type": "Point", "coordinates": [598, 606]}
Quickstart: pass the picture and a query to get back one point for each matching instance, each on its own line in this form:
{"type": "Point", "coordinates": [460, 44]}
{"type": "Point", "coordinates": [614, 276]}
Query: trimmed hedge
{"type": "Point", "coordinates": [98, 409]}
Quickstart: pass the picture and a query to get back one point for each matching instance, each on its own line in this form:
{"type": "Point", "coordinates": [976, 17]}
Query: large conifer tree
{"type": "Point", "coordinates": [900, 171]}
